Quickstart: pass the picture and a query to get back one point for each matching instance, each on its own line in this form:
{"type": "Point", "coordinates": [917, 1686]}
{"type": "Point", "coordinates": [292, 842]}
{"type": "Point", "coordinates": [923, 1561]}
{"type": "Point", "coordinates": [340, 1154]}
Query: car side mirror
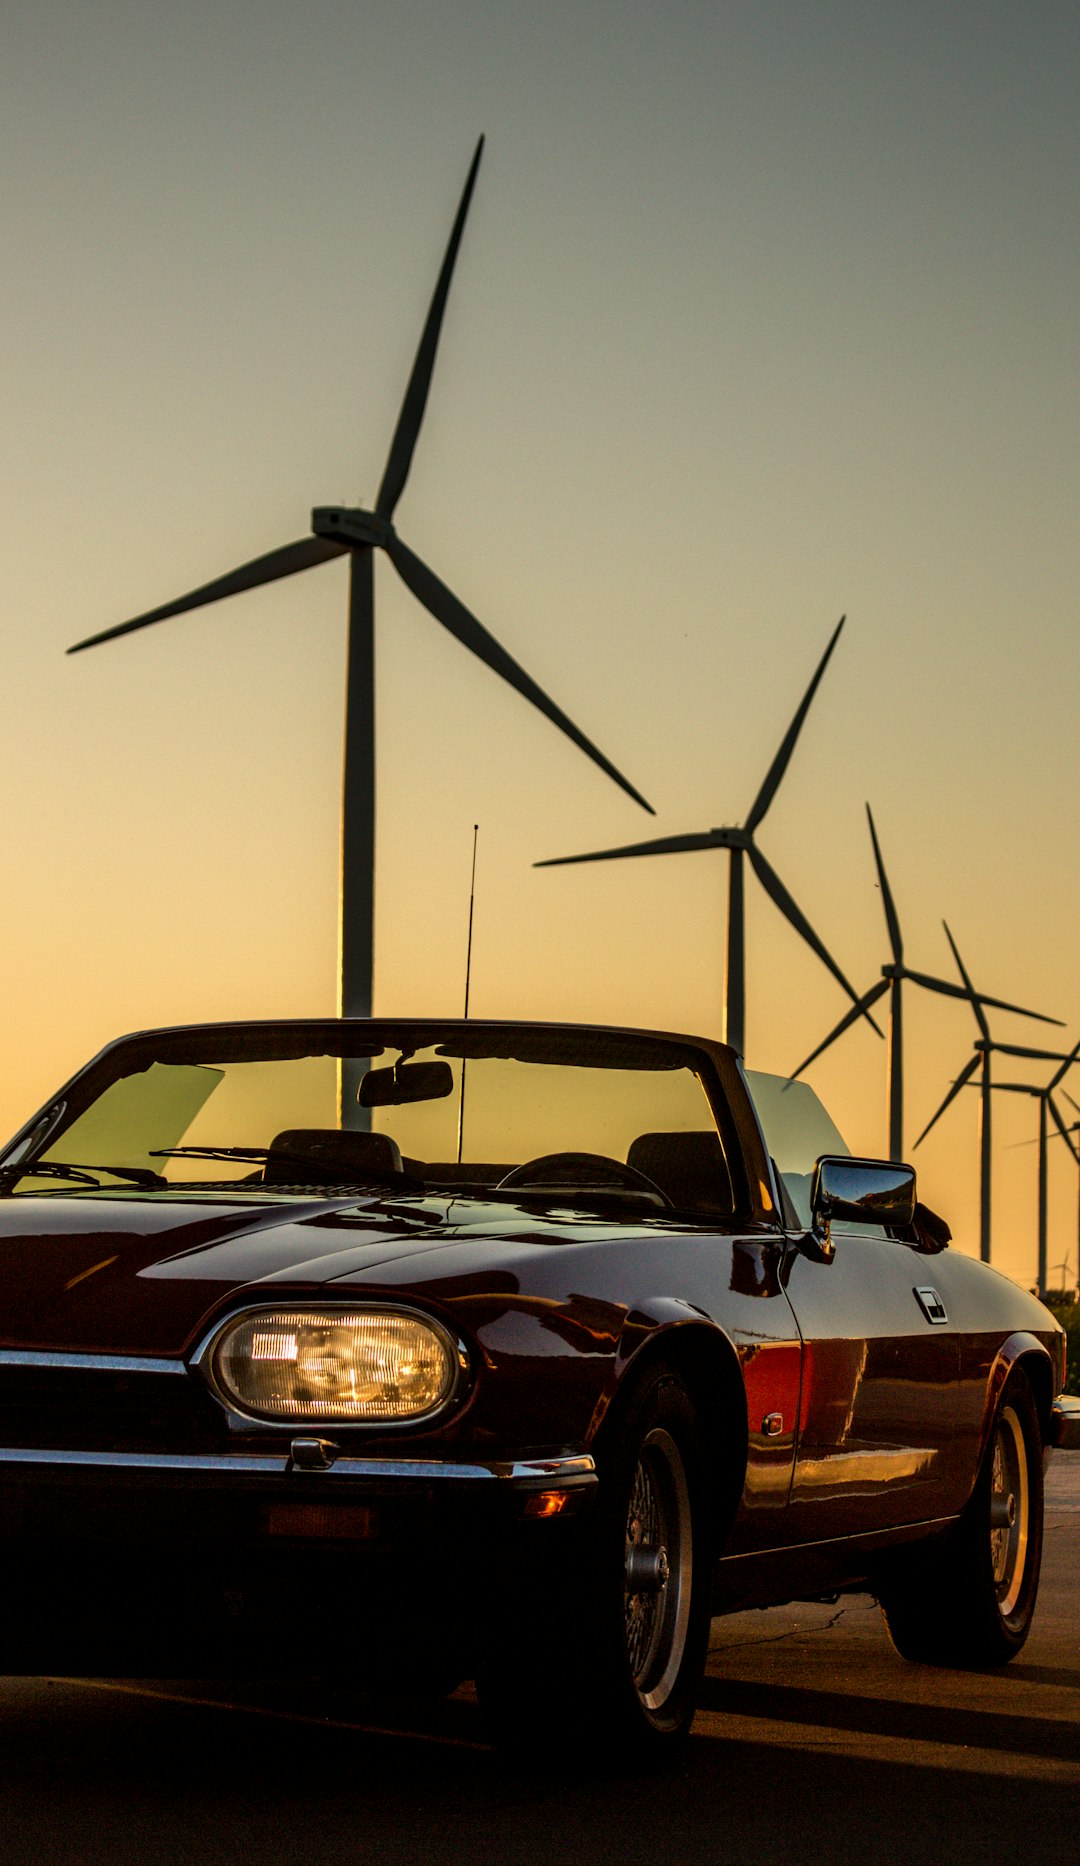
{"type": "Point", "coordinates": [873, 1192]}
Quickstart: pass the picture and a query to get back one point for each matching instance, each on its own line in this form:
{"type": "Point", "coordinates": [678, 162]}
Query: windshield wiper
{"type": "Point", "coordinates": [60, 1169]}
{"type": "Point", "coordinates": [306, 1162]}
{"type": "Point", "coordinates": [208, 1153]}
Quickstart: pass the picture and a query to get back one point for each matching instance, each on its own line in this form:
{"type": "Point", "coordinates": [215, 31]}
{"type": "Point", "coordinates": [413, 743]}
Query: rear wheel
{"type": "Point", "coordinates": [610, 1666]}
{"type": "Point", "coordinates": [970, 1604]}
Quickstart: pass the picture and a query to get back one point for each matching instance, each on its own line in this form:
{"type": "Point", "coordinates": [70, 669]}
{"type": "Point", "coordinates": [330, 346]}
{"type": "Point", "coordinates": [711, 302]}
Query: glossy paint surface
{"type": "Point", "coordinates": [851, 1395]}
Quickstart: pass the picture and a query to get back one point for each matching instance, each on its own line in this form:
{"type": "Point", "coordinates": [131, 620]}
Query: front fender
{"type": "Point", "coordinates": [706, 1360]}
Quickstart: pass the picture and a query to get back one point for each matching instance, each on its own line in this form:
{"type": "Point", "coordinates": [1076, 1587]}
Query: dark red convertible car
{"type": "Point", "coordinates": [430, 1350]}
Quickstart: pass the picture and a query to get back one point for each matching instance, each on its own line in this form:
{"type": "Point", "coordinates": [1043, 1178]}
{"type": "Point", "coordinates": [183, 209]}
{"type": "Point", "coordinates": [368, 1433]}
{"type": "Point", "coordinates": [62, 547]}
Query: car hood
{"type": "Point", "coordinates": [132, 1273]}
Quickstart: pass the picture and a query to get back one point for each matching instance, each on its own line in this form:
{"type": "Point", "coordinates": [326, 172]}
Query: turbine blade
{"type": "Point", "coordinates": [1062, 1128]}
{"type": "Point", "coordinates": [1002, 1004]}
{"type": "Point", "coordinates": [779, 895]}
{"type": "Point", "coordinates": [950, 990]}
{"type": "Point", "coordinates": [961, 1082]}
{"type": "Point", "coordinates": [462, 624]}
{"type": "Point", "coordinates": [775, 773]}
{"type": "Point", "coordinates": [1042, 1056]}
{"type": "Point", "coordinates": [1066, 1064]}
{"type": "Point", "coordinates": [663, 845]}
{"type": "Point", "coordinates": [857, 1010]}
{"type": "Point", "coordinates": [973, 996]}
{"type": "Point", "coordinates": [944, 985]}
{"type": "Point", "coordinates": [1070, 1098]}
{"type": "Point", "coordinates": [302, 555]}
{"type": "Point", "coordinates": [892, 921]}
{"type": "Point", "coordinates": [400, 456]}
{"type": "Point", "coordinates": [1012, 1145]}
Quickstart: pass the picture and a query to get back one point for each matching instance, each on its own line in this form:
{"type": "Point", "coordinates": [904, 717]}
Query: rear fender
{"type": "Point", "coordinates": [1029, 1352]}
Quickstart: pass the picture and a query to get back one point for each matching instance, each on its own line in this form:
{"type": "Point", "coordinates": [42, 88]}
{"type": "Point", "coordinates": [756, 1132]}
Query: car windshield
{"type": "Point", "coordinates": [623, 1119]}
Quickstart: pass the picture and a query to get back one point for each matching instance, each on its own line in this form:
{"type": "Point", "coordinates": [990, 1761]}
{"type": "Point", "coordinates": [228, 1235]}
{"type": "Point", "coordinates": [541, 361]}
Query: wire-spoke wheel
{"type": "Point", "coordinates": [969, 1602]}
{"type": "Point", "coordinates": [1010, 1509]}
{"type": "Point", "coordinates": [659, 1569]}
{"type": "Point", "coordinates": [603, 1657]}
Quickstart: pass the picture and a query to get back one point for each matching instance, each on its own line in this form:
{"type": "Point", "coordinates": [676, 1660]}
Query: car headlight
{"type": "Point", "coordinates": [330, 1365]}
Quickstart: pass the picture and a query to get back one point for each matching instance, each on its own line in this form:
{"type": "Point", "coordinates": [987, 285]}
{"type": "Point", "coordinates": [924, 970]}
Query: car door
{"type": "Point", "coordinates": [879, 1439]}
{"type": "Point", "coordinates": [878, 1434]}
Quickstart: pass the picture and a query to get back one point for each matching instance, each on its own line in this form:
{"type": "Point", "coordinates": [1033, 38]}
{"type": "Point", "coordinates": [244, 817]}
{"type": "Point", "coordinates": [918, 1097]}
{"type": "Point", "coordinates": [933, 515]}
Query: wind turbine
{"type": "Point", "coordinates": [1067, 1289]}
{"type": "Point", "coordinates": [739, 842]}
{"type": "Point", "coordinates": [1044, 1094]}
{"type": "Point", "coordinates": [984, 1048]}
{"type": "Point", "coordinates": [341, 532]}
{"type": "Point", "coordinates": [892, 980]}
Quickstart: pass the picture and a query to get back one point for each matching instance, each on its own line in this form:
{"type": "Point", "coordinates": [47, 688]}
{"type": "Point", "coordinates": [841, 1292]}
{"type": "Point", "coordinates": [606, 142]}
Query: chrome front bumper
{"type": "Point", "coordinates": [237, 1466]}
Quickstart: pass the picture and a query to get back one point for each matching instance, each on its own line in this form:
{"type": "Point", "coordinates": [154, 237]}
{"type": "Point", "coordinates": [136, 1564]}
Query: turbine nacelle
{"type": "Point", "coordinates": [350, 526]}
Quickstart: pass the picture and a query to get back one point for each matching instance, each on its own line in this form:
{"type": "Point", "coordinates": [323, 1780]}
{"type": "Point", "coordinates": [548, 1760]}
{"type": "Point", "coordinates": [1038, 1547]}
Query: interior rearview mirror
{"type": "Point", "coordinates": [390, 1088]}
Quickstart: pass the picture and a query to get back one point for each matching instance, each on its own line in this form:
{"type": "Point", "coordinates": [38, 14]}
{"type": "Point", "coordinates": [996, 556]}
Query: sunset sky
{"type": "Point", "coordinates": [766, 312]}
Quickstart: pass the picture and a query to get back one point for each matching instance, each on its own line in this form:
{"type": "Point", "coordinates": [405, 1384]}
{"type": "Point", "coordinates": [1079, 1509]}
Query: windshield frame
{"type": "Point", "coordinates": [716, 1065]}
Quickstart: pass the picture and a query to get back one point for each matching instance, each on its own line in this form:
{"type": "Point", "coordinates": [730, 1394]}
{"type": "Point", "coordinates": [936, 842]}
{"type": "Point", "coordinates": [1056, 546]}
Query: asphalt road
{"type": "Point", "coordinates": [814, 1743]}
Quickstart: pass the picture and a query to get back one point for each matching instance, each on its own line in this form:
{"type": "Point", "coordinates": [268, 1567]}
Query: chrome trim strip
{"type": "Point", "coordinates": [139, 1460]}
{"type": "Point", "coordinates": [92, 1363]}
{"type": "Point", "coordinates": [241, 1464]}
{"type": "Point", "coordinates": [431, 1467]}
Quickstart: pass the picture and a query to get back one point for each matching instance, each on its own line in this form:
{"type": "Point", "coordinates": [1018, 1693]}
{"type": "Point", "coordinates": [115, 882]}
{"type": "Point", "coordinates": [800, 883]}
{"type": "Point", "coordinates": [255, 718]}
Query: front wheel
{"type": "Point", "coordinates": [971, 1603]}
{"type": "Point", "coordinates": [658, 1573]}
{"type": "Point", "coordinates": [614, 1674]}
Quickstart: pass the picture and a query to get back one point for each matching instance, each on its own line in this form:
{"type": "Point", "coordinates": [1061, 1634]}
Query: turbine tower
{"type": "Point", "coordinates": [984, 1049]}
{"type": "Point", "coordinates": [893, 977]}
{"type": "Point", "coordinates": [340, 532]}
{"type": "Point", "coordinates": [739, 842]}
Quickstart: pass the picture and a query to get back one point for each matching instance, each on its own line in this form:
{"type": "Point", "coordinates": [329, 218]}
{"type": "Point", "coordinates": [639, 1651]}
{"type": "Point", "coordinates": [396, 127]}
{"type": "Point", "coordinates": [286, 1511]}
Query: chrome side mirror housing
{"type": "Point", "coordinates": [870, 1192]}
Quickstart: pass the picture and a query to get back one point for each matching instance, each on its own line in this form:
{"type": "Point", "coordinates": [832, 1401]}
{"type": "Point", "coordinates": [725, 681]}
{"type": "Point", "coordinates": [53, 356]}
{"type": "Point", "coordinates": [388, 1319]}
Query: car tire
{"type": "Point", "coordinates": [970, 1604]}
{"type": "Point", "coordinates": [608, 1668]}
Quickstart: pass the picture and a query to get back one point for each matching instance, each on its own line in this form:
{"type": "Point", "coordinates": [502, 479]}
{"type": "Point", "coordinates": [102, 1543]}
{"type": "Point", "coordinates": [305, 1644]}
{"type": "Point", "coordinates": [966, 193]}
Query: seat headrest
{"type": "Point", "coordinates": [330, 1156]}
{"type": "Point", "coordinates": [689, 1167]}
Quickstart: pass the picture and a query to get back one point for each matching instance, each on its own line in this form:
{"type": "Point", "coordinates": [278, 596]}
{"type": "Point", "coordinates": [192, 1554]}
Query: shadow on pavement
{"type": "Point", "coordinates": [114, 1778]}
{"type": "Point", "coordinates": [920, 1722]}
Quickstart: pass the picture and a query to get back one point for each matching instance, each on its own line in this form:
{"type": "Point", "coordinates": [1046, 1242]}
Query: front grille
{"type": "Point", "coordinates": [81, 1409]}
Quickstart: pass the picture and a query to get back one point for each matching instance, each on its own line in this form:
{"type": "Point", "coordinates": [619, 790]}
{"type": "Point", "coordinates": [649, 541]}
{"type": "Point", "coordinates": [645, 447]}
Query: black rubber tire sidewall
{"type": "Point", "coordinates": [568, 1688]}
{"type": "Point", "coordinates": [941, 1607]}
{"type": "Point", "coordinates": [659, 1399]}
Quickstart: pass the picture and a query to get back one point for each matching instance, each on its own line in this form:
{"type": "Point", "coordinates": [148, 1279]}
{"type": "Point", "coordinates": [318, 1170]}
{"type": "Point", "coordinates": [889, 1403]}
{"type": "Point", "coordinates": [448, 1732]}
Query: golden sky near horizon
{"type": "Point", "coordinates": [764, 313]}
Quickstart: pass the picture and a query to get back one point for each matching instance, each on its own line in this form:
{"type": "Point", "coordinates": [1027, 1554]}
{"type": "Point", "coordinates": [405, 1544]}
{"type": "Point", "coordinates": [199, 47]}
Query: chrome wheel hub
{"type": "Point", "coordinates": [647, 1570]}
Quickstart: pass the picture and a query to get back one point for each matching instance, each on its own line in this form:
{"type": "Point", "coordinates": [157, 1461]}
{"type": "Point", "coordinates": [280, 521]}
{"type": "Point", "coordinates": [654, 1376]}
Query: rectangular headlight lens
{"type": "Point", "coordinates": [335, 1364]}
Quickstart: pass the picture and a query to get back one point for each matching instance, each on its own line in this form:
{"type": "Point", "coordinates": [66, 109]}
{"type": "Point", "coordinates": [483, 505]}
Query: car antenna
{"type": "Point", "coordinates": [468, 979]}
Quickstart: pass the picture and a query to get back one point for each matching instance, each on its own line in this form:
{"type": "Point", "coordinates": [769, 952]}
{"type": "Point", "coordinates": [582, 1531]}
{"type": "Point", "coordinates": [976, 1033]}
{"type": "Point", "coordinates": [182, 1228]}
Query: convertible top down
{"type": "Point", "coordinates": [442, 1349]}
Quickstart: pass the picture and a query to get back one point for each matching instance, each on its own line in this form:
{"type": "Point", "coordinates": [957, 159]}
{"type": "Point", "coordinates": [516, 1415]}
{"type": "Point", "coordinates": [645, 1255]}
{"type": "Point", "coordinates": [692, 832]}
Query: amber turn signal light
{"type": "Point", "coordinates": [547, 1503]}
